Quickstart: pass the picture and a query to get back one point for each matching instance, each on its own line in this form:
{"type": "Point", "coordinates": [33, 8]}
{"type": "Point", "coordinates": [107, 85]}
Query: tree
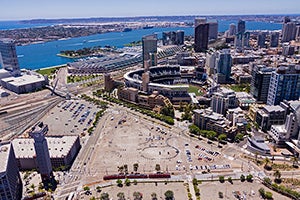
{"type": "Point", "coordinates": [98, 189]}
{"type": "Point", "coordinates": [137, 196]}
{"type": "Point", "coordinates": [211, 135]}
{"type": "Point", "coordinates": [221, 195]}
{"type": "Point", "coordinates": [242, 178]}
{"type": "Point", "coordinates": [249, 178]}
{"type": "Point", "coordinates": [126, 169]}
{"type": "Point", "coordinates": [127, 182]}
{"type": "Point", "coordinates": [268, 195]}
{"type": "Point", "coordinates": [194, 129]}
{"type": "Point", "coordinates": [86, 189]}
{"type": "Point", "coordinates": [267, 166]}
{"type": "Point", "coordinates": [121, 196]}
{"type": "Point", "coordinates": [135, 167]}
{"type": "Point", "coordinates": [120, 169]}
{"type": "Point", "coordinates": [262, 192]}
{"type": "Point", "coordinates": [157, 167]}
{"type": "Point", "coordinates": [222, 137]}
{"type": "Point", "coordinates": [195, 181]}
{"type": "Point", "coordinates": [230, 180]}
{"type": "Point", "coordinates": [294, 159]}
{"type": "Point", "coordinates": [135, 182]}
{"type": "Point", "coordinates": [119, 182]}
{"type": "Point", "coordinates": [104, 196]}
{"type": "Point", "coordinates": [277, 175]}
{"type": "Point", "coordinates": [221, 179]}
{"type": "Point", "coordinates": [169, 195]}
{"type": "Point", "coordinates": [238, 137]}
{"type": "Point", "coordinates": [154, 196]}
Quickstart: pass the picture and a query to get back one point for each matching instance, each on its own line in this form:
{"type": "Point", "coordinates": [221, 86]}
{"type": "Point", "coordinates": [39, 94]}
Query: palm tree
{"type": "Point", "coordinates": [104, 196]}
{"type": "Point", "coordinates": [135, 167]}
{"type": "Point", "coordinates": [137, 196]}
{"type": "Point", "coordinates": [121, 196]}
{"type": "Point", "coordinates": [267, 166]}
{"type": "Point", "coordinates": [294, 159]}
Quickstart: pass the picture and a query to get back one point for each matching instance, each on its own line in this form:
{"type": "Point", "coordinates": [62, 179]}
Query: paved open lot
{"type": "Point", "coordinates": [146, 189]}
{"type": "Point", "coordinates": [246, 190]}
{"type": "Point", "coordinates": [70, 117]}
{"type": "Point", "coordinates": [127, 138]}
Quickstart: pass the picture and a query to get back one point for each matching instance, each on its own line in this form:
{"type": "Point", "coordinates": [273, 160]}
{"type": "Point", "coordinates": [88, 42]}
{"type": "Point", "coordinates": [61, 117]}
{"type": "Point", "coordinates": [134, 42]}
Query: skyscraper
{"type": "Point", "coordinates": [149, 43]}
{"type": "Point", "coordinates": [274, 39]}
{"type": "Point", "coordinates": [201, 35]}
{"type": "Point", "coordinates": [261, 40]}
{"type": "Point", "coordinates": [223, 66]}
{"type": "Point", "coordinates": [179, 37]}
{"type": "Point", "coordinates": [241, 26]}
{"type": "Point", "coordinates": [297, 37]}
{"type": "Point", "coordinates": [173, 38]}
{"type": "Point", "coordinates": [38, 133]}
{"type": "Point", "coordinates": [288, 31]}
{"type": "Point", "coordinates": [232, 29]}
{"type": "Point", "coordinates": [213, 30]}
{"type": "Point", "coordinates": [10, 180]}
{"type": "Point", "coordinates": [284, 84]}
{"type": "Point", "coordinates": [9, 59]}
{"type": "Point", "coordinates": [260, 82]}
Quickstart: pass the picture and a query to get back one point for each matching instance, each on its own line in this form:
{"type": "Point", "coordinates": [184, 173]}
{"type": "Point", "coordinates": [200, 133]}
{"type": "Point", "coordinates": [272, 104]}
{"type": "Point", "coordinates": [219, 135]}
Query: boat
{"type": "Point", "coordinates": [148, 27]}
{"type": "Point", "coordinates": [127, 29]}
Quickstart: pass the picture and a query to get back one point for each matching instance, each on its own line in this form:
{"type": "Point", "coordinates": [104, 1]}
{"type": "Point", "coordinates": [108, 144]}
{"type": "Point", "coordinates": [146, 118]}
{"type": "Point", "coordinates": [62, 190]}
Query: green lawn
{"type": "Point", "coordinates": [195, 89]}
{"type": "Point", "coordinates": [49, 71]}
{"type": "Point", "coordinates": [240, 88]}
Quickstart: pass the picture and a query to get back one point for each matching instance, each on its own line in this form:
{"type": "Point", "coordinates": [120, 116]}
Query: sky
{"type": "Point", "coordinates": [39, 9]}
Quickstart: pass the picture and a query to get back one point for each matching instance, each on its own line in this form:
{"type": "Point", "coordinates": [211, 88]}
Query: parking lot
{"type": "Point", "coordinates": [72, 117]}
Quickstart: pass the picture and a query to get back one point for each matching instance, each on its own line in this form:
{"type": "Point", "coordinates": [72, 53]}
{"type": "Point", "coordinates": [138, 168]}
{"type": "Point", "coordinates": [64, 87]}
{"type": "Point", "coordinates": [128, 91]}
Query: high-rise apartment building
{"type": "Point", "coordinates": [297, 37]}
{"type": "Point", "coordinates": [222, 100]}
{"type": "Point", "coordinates": [284, 84]}
{"type": "Point", "coordinates": [274, 39]}
{"type": "Point", "coordinates": [261, 40]}
{"type": "Point", "coordinates": [241, 26]}
{"type": "Point", "coordinates": [8, 56]}
{"type": "Point", "coordinates": [10, 180]}
{"type": "Point", "coordinates": [173, 38]}
{"type": "Point", "coordinates": [213, 30]}
{"type": "Point", "coordinates": [288, 31]}
{"type": "Point", "coordinates": [223, 66]}
{"type": "Point", "coordinates": [149, 44]}
{"type": "Point", "coordinates": [38, 133]}
{"type": "Point", "coordinates": [260, 82]}
{"type": "Point", "coordinates": [232, 29]}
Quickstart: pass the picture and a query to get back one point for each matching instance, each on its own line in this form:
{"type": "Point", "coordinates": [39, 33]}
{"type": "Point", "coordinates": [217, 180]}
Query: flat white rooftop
{"type": "Point", "coordinates": [58, 146]}
{"type": "Point", "coordinates": [25, 79]}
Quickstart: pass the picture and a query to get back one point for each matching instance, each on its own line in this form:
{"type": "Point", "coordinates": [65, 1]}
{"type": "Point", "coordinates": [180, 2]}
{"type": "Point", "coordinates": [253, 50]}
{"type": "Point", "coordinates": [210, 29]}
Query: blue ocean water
{"type": "Point", "coordinates": [43, 55]}
{"type": "Point", "coordinates": [6, 25]}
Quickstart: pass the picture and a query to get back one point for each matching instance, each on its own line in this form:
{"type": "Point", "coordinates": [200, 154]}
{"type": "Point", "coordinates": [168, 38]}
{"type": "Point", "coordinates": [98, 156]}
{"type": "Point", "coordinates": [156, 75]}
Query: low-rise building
{"type": "Point", "coordinates": [206, 119]}
{"type": "Point", "coordinates": [27, 82]}
{"type": "Point", "coordinates": [270, 115]}
{"type": "Point", "coordinates": [62, 150]}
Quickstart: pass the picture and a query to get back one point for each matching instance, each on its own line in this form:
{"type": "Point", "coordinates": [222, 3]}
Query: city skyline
{"type": "Point", "coordinates": [33, 9]}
